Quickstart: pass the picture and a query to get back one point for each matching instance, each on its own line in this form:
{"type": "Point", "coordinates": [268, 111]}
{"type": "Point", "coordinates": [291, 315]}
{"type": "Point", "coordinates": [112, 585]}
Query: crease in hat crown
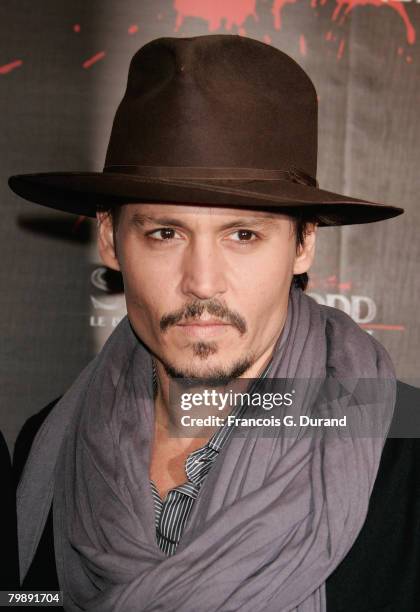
{"type": "Point", "coordinates": [216, 100]}
{"type": "Point", "coordinates": [218, 119]}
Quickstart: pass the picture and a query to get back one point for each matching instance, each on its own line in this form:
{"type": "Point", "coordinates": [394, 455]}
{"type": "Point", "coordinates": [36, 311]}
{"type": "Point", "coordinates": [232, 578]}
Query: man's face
{"type": "Point", "coordinates": [206, 288]}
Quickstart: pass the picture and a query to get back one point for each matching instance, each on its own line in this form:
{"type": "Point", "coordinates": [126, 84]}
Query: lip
{"type": "Point", "coordinates": [208, 328]}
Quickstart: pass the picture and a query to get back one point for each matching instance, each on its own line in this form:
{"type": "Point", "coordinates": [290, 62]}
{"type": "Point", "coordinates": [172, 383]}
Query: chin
{"type": "Point", "coordinates": [214, 371]}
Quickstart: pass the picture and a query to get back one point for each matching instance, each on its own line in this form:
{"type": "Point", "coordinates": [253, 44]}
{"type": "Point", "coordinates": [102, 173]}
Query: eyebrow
{"type": "Point", "coordinates": [141, 219]}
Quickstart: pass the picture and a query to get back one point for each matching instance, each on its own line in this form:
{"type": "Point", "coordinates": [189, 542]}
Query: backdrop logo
{"type": "Point", "coordinates": [108, 305]}
{"type": "Point", "coordinates": [98, 279]}
{"type": "Point", "coordinates": [361, 308]}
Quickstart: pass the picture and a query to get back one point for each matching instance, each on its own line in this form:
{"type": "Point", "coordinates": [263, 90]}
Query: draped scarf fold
{"type": "Point", "coordinates": [272, 520]}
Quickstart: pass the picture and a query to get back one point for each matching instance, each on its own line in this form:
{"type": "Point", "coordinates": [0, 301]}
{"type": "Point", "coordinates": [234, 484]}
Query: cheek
{"type": "Point", "coordinates": [262, 284]}
{"type": "Point", "coordinates": [147, 284]}
{"type": "Point", "coordinates": [268, 272]}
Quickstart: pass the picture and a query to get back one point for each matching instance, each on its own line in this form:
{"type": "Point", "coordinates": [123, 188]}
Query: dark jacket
{"type": "Point", "coordinates": [382, 570]}
{"type": "Point", "coordinates": [9, 567]}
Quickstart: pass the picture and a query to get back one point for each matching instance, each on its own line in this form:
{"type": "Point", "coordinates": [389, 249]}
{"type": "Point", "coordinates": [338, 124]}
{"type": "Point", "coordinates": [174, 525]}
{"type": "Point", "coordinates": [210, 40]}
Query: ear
{"type": "Point", "coordinates": [306, 252]}
{"type": "Point", "coordinates": [106, 245]}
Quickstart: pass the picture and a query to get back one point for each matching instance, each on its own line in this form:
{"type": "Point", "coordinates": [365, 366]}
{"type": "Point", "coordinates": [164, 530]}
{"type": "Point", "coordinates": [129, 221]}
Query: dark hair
{"type": "Point", "coordinates": [302, 221]}
{"type": "Point", "coordinates": [301, 229]}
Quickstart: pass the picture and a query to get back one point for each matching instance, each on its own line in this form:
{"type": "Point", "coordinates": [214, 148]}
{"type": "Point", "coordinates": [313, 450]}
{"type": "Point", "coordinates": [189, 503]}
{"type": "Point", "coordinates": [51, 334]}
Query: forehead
{"type": "Point", "coordinates": [145, 212]}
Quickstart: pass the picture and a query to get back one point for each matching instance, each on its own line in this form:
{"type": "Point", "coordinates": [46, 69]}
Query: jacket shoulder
{"type": "Point", "coordinates": [25, 438]}
{"type": "Point", "coordinates": [381, 570]}
{"type": "Point", "coordinates": [42, 574]}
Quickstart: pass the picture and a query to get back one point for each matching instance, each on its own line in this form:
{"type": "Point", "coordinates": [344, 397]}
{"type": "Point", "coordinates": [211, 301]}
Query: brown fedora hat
{"type": "Point", "coordinates": [220, 120]}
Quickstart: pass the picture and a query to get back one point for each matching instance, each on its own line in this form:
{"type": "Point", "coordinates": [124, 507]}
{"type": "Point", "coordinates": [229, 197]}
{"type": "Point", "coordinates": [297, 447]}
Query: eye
{"type": "Point", "coordinates": [161, 234]}
{"type": "Point", "coordinates": [245, 235]}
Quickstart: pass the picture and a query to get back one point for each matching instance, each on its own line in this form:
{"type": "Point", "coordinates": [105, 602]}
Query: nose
{"type": "Point", "coordinates": [203, 270]}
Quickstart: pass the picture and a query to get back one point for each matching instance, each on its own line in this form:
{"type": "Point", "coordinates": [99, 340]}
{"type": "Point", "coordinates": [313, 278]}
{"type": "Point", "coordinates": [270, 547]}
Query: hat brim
{"type": "Point", "coordinates": [82, 193]}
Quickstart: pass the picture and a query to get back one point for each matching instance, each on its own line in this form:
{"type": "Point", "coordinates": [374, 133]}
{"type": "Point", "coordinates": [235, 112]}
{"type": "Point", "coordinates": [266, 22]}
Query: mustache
{"type": "Point", "coordinates": [195, 309]}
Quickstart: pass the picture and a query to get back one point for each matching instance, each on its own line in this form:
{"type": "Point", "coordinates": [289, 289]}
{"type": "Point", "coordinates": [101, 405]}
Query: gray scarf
{"type": "Point", "coordinates": [273, 519]}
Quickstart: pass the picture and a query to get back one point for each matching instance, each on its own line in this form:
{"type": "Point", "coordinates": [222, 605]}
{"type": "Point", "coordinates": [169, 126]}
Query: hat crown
{"type": "Point", "coordinates": [220, 101]}
{"type": "Point", "coordinates": [217, 120]}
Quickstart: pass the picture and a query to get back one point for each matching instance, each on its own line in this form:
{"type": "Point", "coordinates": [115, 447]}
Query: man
{"type": "Point", "coordinates": [208, 205]}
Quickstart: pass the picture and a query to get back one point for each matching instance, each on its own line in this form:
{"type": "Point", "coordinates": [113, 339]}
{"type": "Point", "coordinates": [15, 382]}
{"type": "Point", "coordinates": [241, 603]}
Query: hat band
{"type": "Point", "coordinates": [294, 175]}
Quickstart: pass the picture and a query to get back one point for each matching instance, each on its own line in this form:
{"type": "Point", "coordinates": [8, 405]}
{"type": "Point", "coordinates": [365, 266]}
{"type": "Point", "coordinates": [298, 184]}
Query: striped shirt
{"type": "Point", "coordinates": [171, 514]}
